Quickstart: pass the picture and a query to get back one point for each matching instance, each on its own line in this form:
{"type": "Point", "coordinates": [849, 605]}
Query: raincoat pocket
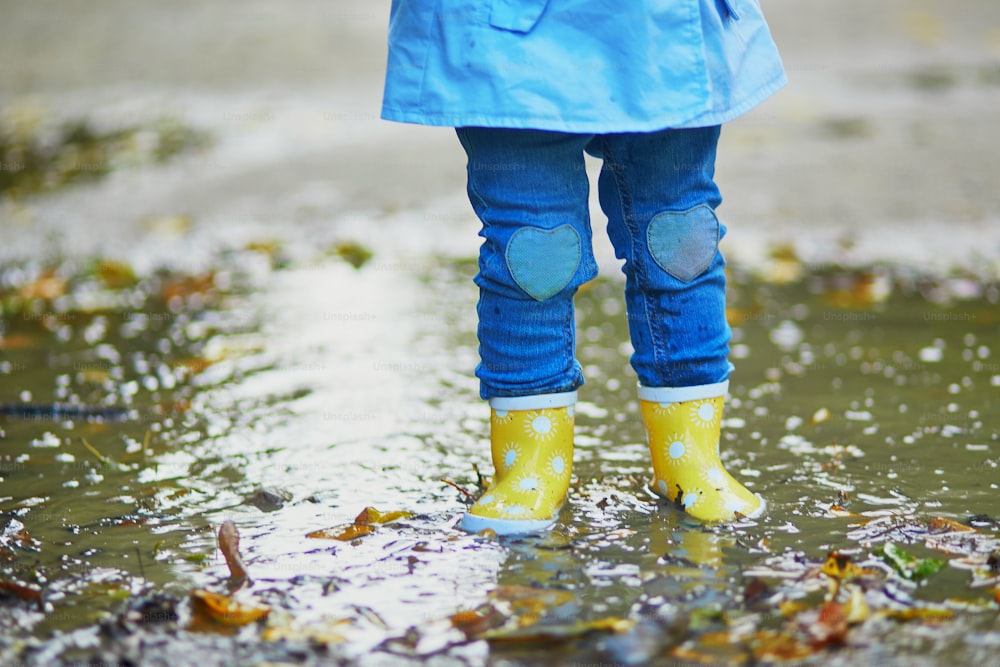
{"type": "Point", "coordinates": [516, 15]}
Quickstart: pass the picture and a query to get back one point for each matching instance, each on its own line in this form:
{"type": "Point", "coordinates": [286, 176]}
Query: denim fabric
{"type": "Point", "coordinates": [529, 189]}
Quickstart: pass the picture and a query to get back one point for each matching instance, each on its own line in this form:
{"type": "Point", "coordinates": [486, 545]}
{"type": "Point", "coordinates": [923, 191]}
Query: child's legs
{"type": "Point", "coordinates": [529, 189]}
{"type": "Point", "coordinates": [658, 192]}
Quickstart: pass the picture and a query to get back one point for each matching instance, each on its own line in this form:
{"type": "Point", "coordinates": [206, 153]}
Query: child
{"type": "Point", "coordinates": [644, 85]}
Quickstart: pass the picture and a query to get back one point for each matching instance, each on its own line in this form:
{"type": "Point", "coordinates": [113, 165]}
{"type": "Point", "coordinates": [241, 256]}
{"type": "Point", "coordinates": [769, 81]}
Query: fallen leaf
{"type": "Point", "coordinates": [48, 286]}
{"type": "Point", "coordinates": [195, 365]}
{"type": "Point", "coordinates": [18, 342]}
{"type": "Point", "coordinates": [115, 274]}
{"type": "Point", "coordinates": [353, 253]}
{"type": "Point", "coordinates": [226, 610]}
{"type": "Point", "coordinates": [838, 511]}
{"type": "Point", "coordinates": [560, 632]}
{"type": "Point", "coordinates": [940, 525]}
{"type": "Point", "coordinates": [184, 286]}
{"type": "Point", "coordinates": [121, 467]}
{"type": "Point", "coordinates": [370, 515]}
{"type": "Point", "coordinates": [839, 566]}
{"type": "Point", "coordinates": [474, 623]}
{"type": "Point", "coordinates": [856, 608]}
{"type": "Point", "coordinates": [920, 613]}
{"type": "Point", "coordinates": [772, 645]}
{"type": "Point", "coordinates": [319, 632]}
{"type": "Point", "coordinates": [830, 626]}
{"type": "Point", "coordinates": [907, 565]}
{"type": "Point", "coordinates": [19, 591]}
{"type": "Point", "coordinates": [344, 533]}
{"type": "Point", "coordinates": [229, 544]}
{"type": "Point", "coordinates": [365, 523]}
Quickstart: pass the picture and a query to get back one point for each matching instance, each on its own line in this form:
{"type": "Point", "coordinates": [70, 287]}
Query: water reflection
{"type": "Point", "coordinates": [291, 408]}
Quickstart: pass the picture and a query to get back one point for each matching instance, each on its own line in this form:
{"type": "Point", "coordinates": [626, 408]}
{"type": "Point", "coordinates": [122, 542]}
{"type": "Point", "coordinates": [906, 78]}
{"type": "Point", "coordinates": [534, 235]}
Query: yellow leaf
{"type": "Point", "coordinates": [554, 633]}
{"type": "Point", "coordinates": [370, 515]}
{"type": "Point", "coordinates": [788, 608]}
{"type": "Point", "coordinates": [115, 274]}
{"type": "Point", "coordinates": [364, 524]}
{"type": "Point", "coordinates": [839, 566]}
{"type": "Point", "coordinates": [345, 533]}
{"type": "Point", "coordinates": [227, 610]}
{"type": "Point", "coordinates": [856, 609]}
{"type": "Point", "coordinates": [323, 632]}
{"type": "Point", "coordinates": [921, 614]}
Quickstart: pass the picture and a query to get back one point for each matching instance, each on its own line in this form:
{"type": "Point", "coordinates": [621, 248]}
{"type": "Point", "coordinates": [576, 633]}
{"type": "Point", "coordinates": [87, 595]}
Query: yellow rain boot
{"type": "Point", "coordinates": [683, 427]}
{"type": "Point", "coordinates": [531, 439]}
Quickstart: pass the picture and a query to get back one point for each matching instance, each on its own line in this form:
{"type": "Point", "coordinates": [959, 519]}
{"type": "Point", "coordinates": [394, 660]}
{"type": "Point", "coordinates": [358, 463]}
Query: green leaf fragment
{"type": "Point", "coordinates": [908, 565]}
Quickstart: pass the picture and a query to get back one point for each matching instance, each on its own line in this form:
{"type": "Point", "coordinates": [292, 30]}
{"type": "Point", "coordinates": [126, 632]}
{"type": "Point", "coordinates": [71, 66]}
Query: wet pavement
{"type": "Point", "coordinates": [267, 380]}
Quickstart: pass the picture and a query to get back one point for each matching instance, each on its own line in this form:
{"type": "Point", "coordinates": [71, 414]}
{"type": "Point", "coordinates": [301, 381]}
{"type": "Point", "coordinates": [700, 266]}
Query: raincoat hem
{"type": "Point", "coordinates": [592, 126]}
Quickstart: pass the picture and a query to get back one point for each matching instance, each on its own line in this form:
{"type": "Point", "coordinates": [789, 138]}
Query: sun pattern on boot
{"type": "Point", "coordinates": [533, 461]}
{"type": "Point", "coordinates": [684, 445]}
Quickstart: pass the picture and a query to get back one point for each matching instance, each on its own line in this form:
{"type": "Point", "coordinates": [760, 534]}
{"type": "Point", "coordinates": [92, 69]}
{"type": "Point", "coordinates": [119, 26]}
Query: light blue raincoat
{"type": "Point", "coordinates": [587, 66]}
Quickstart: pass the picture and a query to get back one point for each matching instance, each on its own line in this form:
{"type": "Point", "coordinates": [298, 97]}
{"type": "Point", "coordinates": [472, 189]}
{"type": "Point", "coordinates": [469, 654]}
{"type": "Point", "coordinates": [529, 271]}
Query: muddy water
{"type": "Point", "coordinates": [339, 388]}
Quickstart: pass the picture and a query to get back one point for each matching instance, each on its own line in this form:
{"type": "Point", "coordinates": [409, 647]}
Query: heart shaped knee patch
{"type": "Point", "coordinates": [542, 261]}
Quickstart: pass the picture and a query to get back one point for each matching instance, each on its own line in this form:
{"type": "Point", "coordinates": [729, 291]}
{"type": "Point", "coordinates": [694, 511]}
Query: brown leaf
{"type": "Point", "coordinates": [185, 286]}
{"type": "Point", "coordinates": [18, 342]}
{"type": "Point", "coordinates": [920, 614]}
{"type": "Point", "coordinates": [229, 544]}
{"type": "Point", "coordinates": [474, 623]}
{"type": "Point", "coordinates": [941, 525]}
{"type": "Point", "coordinates": [19, 591]}
{"type": "Point", "coordinates": [48, 286]}
{"type": "Point", "coordinates": [830, 626]}
{"type": "Point", "coordinates": [226, 610]}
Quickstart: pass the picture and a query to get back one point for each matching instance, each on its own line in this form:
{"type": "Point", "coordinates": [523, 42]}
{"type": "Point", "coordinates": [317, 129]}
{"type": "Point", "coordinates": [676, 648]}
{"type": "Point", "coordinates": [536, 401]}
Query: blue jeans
{"type": "Point", "coordinates": [529, 188]}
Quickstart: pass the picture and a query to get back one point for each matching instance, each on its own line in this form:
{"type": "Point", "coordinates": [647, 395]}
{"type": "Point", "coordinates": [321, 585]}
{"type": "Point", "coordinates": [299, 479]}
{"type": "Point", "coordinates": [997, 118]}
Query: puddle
{"type": "Point", "coordinates": [861, 408]}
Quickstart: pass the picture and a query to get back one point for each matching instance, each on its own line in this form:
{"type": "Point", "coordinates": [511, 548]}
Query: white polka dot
{"type": "Point", "coordinates": [516, 510]}
{"type": "Point", "coordinates": [510, 457]}
{"type": "Point", "coordinates": [690, 498]}
{"type": "Point", "coordinates": [501, 414]}
{"type": "Point", "coordinates": [715, 475]}
{"type": "Point", "coordinates": [558, 465]}
{"type": "Point", "coordinates": [541, 425]}
{"type": "Point", "coordinates": [662, 486]}
{"type": "Point", "coordinates": [734, 504]}
{"type": "Point", "coordinates": [706, 412]}
{"type": "Point", "coordinates": [676, 449]}
{"type": "Point", "coordinates": [529, 484]}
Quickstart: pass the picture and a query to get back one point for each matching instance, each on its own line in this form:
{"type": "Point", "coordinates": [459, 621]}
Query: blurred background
{"type": "Point", "coordinates": [883, 146]}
